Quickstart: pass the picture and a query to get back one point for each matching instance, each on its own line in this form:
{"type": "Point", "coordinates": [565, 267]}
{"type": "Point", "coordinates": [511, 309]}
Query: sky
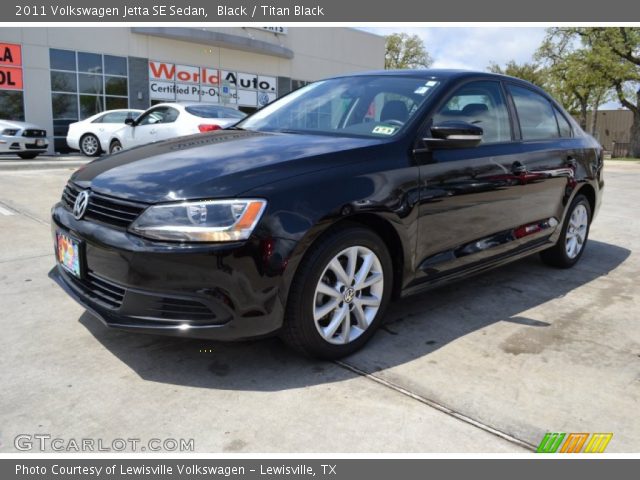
{"type": "Point", "coordinates": [475, 48]}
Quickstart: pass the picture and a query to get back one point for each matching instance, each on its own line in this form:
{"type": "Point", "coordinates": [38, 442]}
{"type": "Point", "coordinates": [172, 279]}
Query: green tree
{"type": "Point", "coordinates": [615, 54]}
{"type": "Point", "coordinates": [531, 72]}
{"type": "Point", "coordinates": [571, 77]}
{"type": "Point", "coordinates": [405, 51]}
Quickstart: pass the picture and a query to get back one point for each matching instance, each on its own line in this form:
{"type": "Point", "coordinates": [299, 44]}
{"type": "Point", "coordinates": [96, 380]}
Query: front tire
{"type": "Point", "coordinates": [574, 236]}
{"type": "Point", "coordinates": [115, 146]}
{"type": "Point", "coordinates": [90, 145]}
{"type": "Point", "coordinates": [339, 294]}
{"type": "Point", "coordinates": [27, 156]}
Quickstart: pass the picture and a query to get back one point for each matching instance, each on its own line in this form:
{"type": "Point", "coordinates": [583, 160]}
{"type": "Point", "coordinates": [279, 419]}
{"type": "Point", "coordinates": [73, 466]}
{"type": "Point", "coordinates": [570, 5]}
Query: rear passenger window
{"type": "Point", "coordinates": [563, 124]}
{"type": "Point", "coordinates": [537, 119]}
{"type": "Point", "coordinates": [481, 104]}
{"type": "Point", "coordinates": [114, 117]}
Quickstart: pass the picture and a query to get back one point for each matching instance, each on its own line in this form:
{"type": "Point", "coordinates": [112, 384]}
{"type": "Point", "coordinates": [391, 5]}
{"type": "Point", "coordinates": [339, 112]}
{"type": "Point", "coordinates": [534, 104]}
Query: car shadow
{"type": "Point", "coordinates": [415, 327]}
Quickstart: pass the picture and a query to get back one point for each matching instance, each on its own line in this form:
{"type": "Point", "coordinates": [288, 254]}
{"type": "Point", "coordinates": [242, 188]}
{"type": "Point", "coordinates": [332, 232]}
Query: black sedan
{"type": "Point", "coordinates": [308, 217]}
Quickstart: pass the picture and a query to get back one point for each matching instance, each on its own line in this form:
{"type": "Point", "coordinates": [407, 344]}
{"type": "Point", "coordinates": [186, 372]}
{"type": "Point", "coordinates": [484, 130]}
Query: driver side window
{"type": "Point", "coordinates": [154, 116]}
{"type": "Point", "coordinates": [482, 104]}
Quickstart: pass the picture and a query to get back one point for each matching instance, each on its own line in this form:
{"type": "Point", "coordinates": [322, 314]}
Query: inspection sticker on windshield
{"type": "Point", "coordinates": [384, 130]}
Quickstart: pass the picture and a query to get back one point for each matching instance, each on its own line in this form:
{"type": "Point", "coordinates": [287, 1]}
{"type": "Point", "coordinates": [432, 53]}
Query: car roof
{"type": "Point", "coordinates": [443, 74]}
{"type": "Point", "coordinates": [429, 73]}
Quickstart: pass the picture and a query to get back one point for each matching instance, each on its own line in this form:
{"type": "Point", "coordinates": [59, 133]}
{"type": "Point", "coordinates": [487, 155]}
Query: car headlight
{"type": "Point", "coordinates": [200, 221]}
{"type": "Point", "coordinates": [10, 132]}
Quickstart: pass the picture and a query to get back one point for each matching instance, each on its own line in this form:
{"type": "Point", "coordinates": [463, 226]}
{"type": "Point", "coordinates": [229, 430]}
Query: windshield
{"type": "Point", "coordinates": [371, 106]}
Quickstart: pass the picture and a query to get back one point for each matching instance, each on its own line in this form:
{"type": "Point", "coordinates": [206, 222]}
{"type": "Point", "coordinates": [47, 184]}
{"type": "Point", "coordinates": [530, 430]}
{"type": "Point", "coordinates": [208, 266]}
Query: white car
{"type": "Point", "coordinates": [91, 136]}
{"type": "Point", "coordinates": [24, 139]}
{"type": "Point", "coordinates": [170, 120]}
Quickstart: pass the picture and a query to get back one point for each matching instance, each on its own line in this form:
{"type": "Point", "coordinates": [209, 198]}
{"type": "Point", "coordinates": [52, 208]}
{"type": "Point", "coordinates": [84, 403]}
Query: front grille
{"type": "Point", "coordinates": [32, 132]}
{"type": "Point", "coordinates": [180, 309]}
{"type": "Point", "coordinates": [99, 289]}
{"type": "Point", "coordinates": [104, 209]}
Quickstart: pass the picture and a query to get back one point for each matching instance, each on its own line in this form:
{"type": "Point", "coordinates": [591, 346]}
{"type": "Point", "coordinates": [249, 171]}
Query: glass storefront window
{"type": "Point", "coordinates": [64, 106]}
{"type": "Point", "coordinates": [83, 84]}
{"type": "Point", "coordinates": [90, 105]}
{"type": "Point", "coordinates": [115, 65]}
{"type": "Point", "coordinates": [115, 86]}
{"type": "Point", "coordinates": [89, 62]}
{"type": "Point", "coordinates": [12, 105]}
{"type": "Point", "coordinates": [62, 59]}
{"type": "Point", "coordinates": [90, 83]}
{"type": "Point", "coordinates": [114, 103]}
{"type": "Point", "coordinates": [64, 82]}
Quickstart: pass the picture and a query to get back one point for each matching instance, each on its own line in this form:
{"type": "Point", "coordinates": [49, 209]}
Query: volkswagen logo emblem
{"type": "Point", "coordinates": [82, 202]}
{"type": "Point", "coordinates": [263, 99]}
{"type": "Point", "coordinates": [349, 293]}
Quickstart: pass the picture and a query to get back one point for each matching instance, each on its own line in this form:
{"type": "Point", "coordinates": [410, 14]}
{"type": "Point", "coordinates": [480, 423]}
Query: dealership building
{"type": "Point", "coordinates": [57, 75]}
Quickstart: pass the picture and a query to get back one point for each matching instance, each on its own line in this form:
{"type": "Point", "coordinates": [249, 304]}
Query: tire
{"type": "Point", "coordinates": [573, 239]}
{"type": "Point", "coordinates": [27, 156]}
{"type": "Point", "coordinates": [90, 145]}
{"type": "Point", "coordinates": [115, 146]}
{"type": "Point", "coordinates": [356, 311]}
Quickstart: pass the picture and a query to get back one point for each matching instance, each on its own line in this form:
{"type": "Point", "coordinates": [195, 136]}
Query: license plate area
{"type": "Point", "coordinates": [39, 142]}
{"type": "Point", "coordinates": [70, 254]}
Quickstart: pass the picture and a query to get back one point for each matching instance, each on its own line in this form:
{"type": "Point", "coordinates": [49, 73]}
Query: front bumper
{"type": "Point", "coordinates": [20, 144]}
{"type": "Point", "coordinates": [222, 292]}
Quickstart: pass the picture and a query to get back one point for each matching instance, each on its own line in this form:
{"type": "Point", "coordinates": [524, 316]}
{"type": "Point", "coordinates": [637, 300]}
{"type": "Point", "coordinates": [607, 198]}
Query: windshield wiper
{"type": "Point", "coordinates": [235, 128]}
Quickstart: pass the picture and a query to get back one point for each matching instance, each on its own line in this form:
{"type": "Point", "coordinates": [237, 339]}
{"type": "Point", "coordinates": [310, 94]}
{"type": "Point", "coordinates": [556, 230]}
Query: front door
{"type": "Point", "coordinates": [470, 198]}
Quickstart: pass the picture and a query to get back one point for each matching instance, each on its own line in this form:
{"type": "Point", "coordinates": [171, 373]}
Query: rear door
{"type": "Point", "coordinates": [547, 159]}
{"type": "Point", "coordinates": [167, 128]}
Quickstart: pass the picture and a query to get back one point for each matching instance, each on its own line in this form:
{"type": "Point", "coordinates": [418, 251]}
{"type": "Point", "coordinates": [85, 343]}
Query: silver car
{"type": "Point", "coordinates": [24, 139]}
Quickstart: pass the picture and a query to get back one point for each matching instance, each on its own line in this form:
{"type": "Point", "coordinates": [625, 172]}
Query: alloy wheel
{"type": "Point", "coordinates": [576, 231]}
{"type": "Point", "coordinates": [348, 295]}
{"type": "Point", "coordinates": [90, 145]}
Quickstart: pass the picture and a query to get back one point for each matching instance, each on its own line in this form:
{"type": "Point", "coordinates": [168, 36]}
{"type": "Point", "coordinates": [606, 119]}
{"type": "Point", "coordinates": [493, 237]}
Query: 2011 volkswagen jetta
{"type": "Point", "coordinates": [308, 217]}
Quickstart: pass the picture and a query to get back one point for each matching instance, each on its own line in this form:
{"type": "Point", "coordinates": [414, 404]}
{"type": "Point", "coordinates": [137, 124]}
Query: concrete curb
{"type": "Point", "coordinates": [41, 164]}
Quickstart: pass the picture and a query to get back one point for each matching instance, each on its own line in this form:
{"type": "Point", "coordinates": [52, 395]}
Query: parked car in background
{"type": "Point", "coordinates": [169, 120]}
{"type": "Point", "coordinates": [309, 216]}
{"type": "Point", "coordinates": [91, 136]}
{"type": "Point", "coordinates": [24, 139]}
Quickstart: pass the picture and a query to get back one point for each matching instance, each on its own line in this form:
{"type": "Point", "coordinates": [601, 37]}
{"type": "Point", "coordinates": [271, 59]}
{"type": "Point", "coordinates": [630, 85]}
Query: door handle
{"type": "Point", "coordinates": [152, 132]}
{"type": "Point", "coordinates": [517, 168]}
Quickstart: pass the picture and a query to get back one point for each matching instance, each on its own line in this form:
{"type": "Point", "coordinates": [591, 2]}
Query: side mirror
{"type": "Point", "coordinates": [130, 121]}
{"type": "Point", "coordinates": [454, 134]}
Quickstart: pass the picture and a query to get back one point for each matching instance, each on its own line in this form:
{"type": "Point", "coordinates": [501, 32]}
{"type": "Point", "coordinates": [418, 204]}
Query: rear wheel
{"type": "Point", "coordinates": [27, 156]}
{"type": "Point", "coordinates": [573, 238]}
{"type": "Point", "coordinates": [115, 146]}
{"type": "Point", "coordinates": [89, 145]}
{"type": "Point", "coordinates": [339, 295]}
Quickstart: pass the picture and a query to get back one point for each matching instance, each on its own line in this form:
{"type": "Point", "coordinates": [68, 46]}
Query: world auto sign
{"type": "Point", "coordinates": [175, 82]}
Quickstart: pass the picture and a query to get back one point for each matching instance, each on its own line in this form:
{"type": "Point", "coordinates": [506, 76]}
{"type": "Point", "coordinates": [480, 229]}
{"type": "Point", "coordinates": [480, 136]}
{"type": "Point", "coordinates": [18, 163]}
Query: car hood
{"type": "Point", "coordinates": [213, 165]}
{"type": "Point", "coordinates": [16, 124]}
